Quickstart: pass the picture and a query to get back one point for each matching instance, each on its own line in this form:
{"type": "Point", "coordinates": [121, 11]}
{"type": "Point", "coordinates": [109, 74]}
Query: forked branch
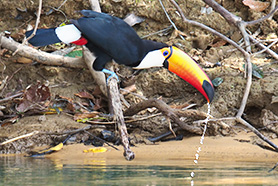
{"type": "Point", "coordinates": [241, 25]}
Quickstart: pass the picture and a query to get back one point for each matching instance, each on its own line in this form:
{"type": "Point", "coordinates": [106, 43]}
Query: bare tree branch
{"type": "Point", "coordinates": [115, 101]}
{"type": "Point", "coordinates": [241, 25]}
{"type": "Point", "coordinates": [260, 135]}
{"type": "Point", "coordinates": [195, 23]}
{"type": "Point", "coordinates": [40, 56]}
{"type": "Point", "coordinates": [168, 17]}
{"type": "Point", "coordinates": [268, 16]}
{"type": "Point", "coordinates": [114, 95]}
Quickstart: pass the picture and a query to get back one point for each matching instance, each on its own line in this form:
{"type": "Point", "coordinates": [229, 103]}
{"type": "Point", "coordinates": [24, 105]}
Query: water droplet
{"type": "Point", "coordinates": [201, 142]}
{"type": "Point", "coordinates": [197, 156]}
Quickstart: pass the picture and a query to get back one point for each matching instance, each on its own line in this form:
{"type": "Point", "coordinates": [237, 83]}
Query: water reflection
{"type": "Point", "coordinates": [43, 171]}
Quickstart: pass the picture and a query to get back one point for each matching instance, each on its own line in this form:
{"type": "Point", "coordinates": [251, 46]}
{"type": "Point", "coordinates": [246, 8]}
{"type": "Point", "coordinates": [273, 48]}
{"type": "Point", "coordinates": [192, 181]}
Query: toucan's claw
{"type": "Point", "coordinates": [112, 74]}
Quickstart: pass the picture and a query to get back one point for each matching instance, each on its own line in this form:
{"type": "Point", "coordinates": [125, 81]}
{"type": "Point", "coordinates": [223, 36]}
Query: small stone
{"type": "Point", "coordinates": [42, 118]}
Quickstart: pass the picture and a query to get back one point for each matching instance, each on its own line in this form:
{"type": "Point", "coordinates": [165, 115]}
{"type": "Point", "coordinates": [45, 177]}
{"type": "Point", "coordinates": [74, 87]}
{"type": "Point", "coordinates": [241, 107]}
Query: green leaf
{"type": "Point", "coordinates": [75, 53]}
{"type": "Point", "coordinates": [256, 71]}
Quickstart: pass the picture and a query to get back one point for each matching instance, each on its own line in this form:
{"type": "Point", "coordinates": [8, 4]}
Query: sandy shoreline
{"type": "Point", "coordinates": [218, 154]}
{"type": "Point", "coordinates": [172, 153]}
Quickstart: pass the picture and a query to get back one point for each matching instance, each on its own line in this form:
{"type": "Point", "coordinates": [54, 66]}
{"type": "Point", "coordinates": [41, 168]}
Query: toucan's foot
{"type": "Point", "coordinates": [112, 74]}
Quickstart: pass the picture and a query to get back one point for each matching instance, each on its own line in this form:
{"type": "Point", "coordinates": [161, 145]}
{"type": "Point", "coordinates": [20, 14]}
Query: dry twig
{"type": "Point", "coordinates": [19, 137]}
{"type": "Point", "coordinates": [168, 17]}
{"type": "Point", "coordinates": [166, 111]}
{"type": "Point", "coordinates": [35, 29]}
{"type": "Point", "coordinates": [37, 22]}
{"type": "Point", "coordinates": [126, 121]}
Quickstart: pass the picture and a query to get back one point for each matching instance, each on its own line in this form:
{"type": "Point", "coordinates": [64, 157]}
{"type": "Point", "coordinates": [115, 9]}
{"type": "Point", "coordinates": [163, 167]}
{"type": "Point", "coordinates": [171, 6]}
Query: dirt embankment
{"type": "Point", "coordinates": [262, 106]}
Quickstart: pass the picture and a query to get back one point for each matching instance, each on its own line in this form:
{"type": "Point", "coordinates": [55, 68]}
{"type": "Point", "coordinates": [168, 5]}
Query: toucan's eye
{"type": "Point", "coordinates": [165, 53]}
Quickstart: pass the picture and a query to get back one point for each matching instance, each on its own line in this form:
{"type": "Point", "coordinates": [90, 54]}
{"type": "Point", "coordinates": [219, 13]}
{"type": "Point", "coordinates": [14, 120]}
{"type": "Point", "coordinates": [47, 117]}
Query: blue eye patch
{"type": "Point", "coordinates": [165, 53]}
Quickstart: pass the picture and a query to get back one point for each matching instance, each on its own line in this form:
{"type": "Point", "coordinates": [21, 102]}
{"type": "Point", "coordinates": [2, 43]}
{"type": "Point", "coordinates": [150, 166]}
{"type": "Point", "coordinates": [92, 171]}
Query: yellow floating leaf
{"type": "Point", "coordinates": [54, 110]}
{"type": "Point", "coordinates": [96, 150]}
{"type": "Point", "coordinates": [256, 5]}
{"type": "Point", "coordinates": [24, 60]}
{"type": "Point", "coordinates": [55, 148]}
{"type": "Point", "coordinates": [86, 115]}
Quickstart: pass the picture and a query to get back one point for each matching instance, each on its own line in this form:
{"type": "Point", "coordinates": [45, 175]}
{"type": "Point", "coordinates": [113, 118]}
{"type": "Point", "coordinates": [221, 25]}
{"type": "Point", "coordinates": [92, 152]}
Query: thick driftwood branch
{"type": "Point", "coordinates": [99, 77]}
{"type": "Point", "coordinates": [114, 95]}
{"type": "Point", "coordinates": [40, 56]}
{"type": "Point", "coordinates": [115, 101]}
{"type": "Point", "coordinates": [165, 109]}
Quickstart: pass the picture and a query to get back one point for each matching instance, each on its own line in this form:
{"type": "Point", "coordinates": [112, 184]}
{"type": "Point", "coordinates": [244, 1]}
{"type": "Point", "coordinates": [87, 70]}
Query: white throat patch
{"type": "Point", "coordinates": [152, 59]}
{"type": "Point", "coordinates": [68, 33]}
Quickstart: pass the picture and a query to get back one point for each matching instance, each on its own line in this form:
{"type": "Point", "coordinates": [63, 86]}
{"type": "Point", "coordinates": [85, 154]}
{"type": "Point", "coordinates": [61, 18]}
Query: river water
{"type": "Point", "coordinates": [19, 170]}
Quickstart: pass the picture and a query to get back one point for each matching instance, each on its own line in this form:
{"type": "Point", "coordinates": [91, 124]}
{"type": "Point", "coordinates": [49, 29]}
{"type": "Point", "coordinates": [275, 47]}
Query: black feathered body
{"type": "Point", "coordinates": [111, 38]}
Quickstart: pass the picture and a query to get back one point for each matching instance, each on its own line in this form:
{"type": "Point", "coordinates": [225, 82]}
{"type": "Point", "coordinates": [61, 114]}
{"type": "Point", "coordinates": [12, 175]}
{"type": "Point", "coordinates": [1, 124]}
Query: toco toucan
{"type": "Point", "coordinates": [109, 37]}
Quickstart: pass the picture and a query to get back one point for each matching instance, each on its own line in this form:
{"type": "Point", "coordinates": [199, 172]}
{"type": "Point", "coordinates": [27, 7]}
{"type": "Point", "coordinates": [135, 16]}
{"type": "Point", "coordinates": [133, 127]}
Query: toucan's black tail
{"type": "Point", "coordinates": [43, 37]}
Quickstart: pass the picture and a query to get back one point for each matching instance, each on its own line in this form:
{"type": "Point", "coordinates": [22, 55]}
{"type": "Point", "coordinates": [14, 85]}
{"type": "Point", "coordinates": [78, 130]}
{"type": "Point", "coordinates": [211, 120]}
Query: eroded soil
{"type": "Point", "coordinates": [262, 106]}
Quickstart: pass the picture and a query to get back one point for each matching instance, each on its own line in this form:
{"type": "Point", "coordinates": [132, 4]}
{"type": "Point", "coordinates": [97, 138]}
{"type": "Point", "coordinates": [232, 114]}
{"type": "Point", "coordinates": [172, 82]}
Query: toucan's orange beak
{"type": "Point", "coordinates": [185, 67]}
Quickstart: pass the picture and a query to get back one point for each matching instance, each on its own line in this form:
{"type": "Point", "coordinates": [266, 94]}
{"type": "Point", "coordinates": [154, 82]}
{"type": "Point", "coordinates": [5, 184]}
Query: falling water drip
{"type": "Point", "coordinates": [197, 155]}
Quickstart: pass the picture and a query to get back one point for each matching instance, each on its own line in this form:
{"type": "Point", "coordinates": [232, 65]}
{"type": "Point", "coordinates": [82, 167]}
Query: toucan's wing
{"type": "Point", "coordinates": [102, 57]}
{"type": "Point", "coordinates": [91, 14]}
{"type": "Point", "coordinates": [111, 34]}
